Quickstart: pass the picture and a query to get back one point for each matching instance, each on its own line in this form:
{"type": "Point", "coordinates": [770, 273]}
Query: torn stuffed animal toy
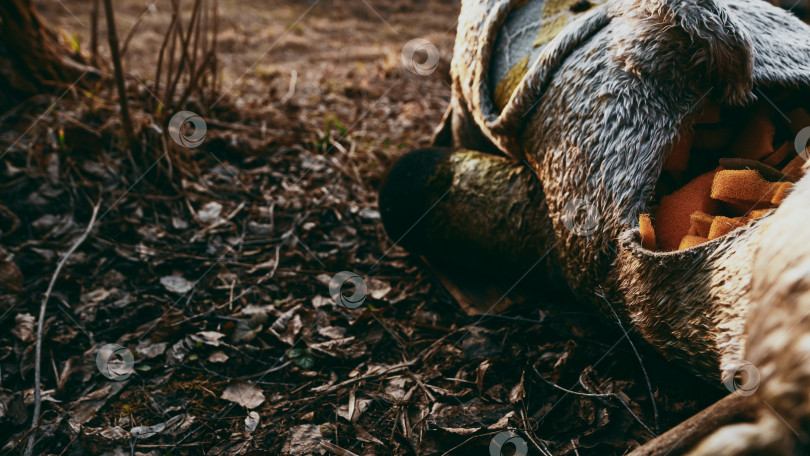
{"type": "Point", "coordinates": [650, 153]}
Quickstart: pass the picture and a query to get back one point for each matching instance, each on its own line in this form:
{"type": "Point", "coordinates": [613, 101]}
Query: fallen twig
{"type": "Point", "coordinates": [730, 409]}
{"type": "Point", "coordinates": [42, 307]}
{"type": "Point", "coordinates": [638, 356]}
{"type": "Point", "coordinates": [596, 395]}
{"type": "Point", "coordinates": [389, 370]}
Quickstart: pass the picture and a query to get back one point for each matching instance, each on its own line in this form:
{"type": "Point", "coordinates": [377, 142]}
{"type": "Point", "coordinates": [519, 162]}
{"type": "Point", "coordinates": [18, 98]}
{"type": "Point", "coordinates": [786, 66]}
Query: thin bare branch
{"type": "Point", "coordinates": [40, 324]}
{"type": "Point", "coordinates": [126, 120]}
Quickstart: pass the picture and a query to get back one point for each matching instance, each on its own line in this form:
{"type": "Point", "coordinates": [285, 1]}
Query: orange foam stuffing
{"type": "Point", "coordinates": [757, 213]}
{"type": "Point", "coordinates": [678, 158]}
{"type": "Point", "coordinates": [647, 232]}
{"type": "Point", "coordinates": [700, 224]}
{"type": "Point", "coordinates": [747, 186]}
{"type": "Point", "coordinates": [723, 225]}
{"type": "Point", "coordinates": [684, 218]}
{"type": "Point", "coordinates": [779, 155]}
{"type": "Point", "coordinates": [672, 219]}
{"type": "Point", "coordinates": [718, 202]}
{"type": "Point", "coordinates": [756, 140]}
{"type": "Point", "coordinates": [691, 241]}
{"type": "Point", "coordinates": [794, 168]}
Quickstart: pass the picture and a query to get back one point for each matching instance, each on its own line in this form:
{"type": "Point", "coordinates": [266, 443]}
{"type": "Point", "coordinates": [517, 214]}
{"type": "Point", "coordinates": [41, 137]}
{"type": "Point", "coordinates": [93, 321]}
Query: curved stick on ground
{"type": "Point", "coordinates": [730, 409]}
{"type": "Point", "coordinates": [40, 323]}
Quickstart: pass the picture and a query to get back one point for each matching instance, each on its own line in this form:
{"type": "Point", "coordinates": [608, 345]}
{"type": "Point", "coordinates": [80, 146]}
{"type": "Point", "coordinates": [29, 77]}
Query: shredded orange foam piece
{"type": "Point", "coordinates": [691, 241]}
{"type": "Point", "coordinates": [780, 192]}
{"type": "Point", "coordinates": [647, 232]}
{"type": "Point", "coordinates": [723, 225]}
{"type": "Point", "coordinates": [700, 223]}
{"type": "Point", "coordinates": [673, 216]}
{"type": "Point", "coordinates": [743, 185]}
{"type": "Point", "coordinates": [779, 155]}
{"type": "Point", "coordinates": [794, 168]}
{"type": "Point", "coordinates": [757, 213]}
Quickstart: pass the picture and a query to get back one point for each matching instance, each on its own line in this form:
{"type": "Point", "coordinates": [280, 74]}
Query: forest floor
{"type": "Point", "coordinates": [211, 265]}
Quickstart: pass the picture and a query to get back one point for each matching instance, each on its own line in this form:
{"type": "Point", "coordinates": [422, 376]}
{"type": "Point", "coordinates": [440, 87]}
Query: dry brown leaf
{"type": "Point", "coordinates": [11, 277]}
{"type": "Point", "coordinates": [251, 421]}
{"type": "Point", "coordinates": [377, 288]}
{"type": "Point", "coordinates": [218, 356]}
{"type": "Point", "coordinates": [177, 284]}
{"type": "Point", "coordinates": [24, 328]}
{"type": "Point", "coordinates": [246, 394]}
{"type": "Point", "coordinates": [303, 439]}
